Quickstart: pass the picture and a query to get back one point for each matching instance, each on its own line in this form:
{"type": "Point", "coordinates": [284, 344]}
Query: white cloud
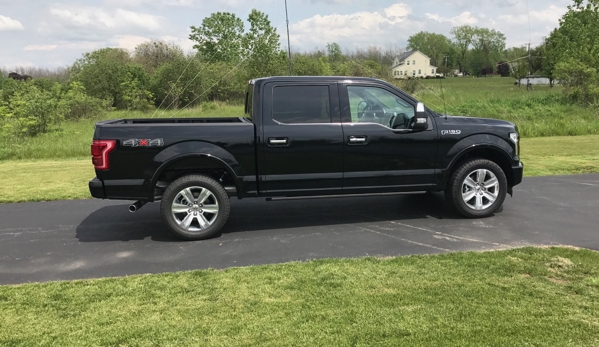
{"type": "Point", "coordinates": [7, 24]}
{"type": "Point", "coordinates": [552, 14]}
{"type": "Point", "coordinates": [129, 42]}
{"type": "Point", "coordinates": [100, 18]}
{"type": "Point", "coordinates": [40, 47]}
{"type": "Point", "coordinates": [136, 3]}
{"type": "Point", "coordinates": [362, 28]}
{"type": "Point", "coordinates": [464, 18]}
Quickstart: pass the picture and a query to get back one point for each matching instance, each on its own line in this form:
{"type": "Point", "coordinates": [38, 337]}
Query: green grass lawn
{"type": "Point", "coordinates": [540, 112]}
{"type": "Point", "coordinates": [523, 297]}
{"type": "Point", "coordinates": [61, 179]}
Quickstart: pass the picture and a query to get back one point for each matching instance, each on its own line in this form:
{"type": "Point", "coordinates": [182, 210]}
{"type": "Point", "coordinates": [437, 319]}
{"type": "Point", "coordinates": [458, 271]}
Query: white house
{"type": "Point", "coordinates": [413, 64]}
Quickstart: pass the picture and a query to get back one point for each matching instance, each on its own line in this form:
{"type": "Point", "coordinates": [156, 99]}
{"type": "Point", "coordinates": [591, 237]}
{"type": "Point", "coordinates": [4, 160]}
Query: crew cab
{"type": "Point", "coordinates": [303, 137]}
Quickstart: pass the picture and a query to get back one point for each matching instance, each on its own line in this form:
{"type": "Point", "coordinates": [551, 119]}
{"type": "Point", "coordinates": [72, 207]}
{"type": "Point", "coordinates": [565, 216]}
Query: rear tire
{"type": "Point", "coordinates": [195, 207]}
{"type": "Point", "coordinates": [477, 188]}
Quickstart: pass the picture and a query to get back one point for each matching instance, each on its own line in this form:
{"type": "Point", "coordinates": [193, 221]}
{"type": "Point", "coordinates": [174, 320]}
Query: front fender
{"type": "Point", "coordinates": [466, 146]}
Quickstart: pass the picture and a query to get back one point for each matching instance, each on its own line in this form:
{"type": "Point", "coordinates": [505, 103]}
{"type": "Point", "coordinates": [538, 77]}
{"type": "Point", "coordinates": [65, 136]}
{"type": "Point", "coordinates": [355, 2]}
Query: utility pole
{"type": "Point", "coordinates": [288, 40]}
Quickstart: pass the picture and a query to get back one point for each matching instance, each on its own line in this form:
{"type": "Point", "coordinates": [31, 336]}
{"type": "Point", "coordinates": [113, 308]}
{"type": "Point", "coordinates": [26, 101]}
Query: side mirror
{"type": "Point", "coordinates": [421, 118]}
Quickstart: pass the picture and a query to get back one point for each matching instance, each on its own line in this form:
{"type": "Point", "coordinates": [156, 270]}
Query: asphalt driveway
{"type": "Point", "coordinates": [93, 238]}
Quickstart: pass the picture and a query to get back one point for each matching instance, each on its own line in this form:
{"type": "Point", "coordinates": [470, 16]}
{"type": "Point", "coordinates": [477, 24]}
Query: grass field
{"type": "Point", "coordinates": [73, 139]}
{"type": "Point", "coordinates": [60, 179]}
{"type": "Point", "coordinates": [524, 297]}
{"type": "Point", "coordinates": [540, 112]}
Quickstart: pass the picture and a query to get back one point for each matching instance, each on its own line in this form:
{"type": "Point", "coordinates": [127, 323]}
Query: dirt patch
{"type": "Point", "coordinates": [557, 281]}
{"type": "Point", "coordinates": [558, 264]}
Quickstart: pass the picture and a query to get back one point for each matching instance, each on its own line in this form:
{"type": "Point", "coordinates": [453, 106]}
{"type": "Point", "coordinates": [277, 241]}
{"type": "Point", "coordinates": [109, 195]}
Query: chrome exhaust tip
{"type": "Point", "coordinates": [136, 206]}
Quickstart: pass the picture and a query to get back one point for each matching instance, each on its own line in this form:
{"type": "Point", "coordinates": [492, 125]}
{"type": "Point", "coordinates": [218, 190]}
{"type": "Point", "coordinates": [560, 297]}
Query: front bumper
{"type": "Point", "coordinates": [517, 173]}
{"type": "Point", "coordinates": [96, 188]}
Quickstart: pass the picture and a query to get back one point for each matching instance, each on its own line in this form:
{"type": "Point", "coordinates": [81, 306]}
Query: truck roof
{"type": "Point", "coordinates": [315, 78]}
{"type": "Point", "coordinates": [346, 79]}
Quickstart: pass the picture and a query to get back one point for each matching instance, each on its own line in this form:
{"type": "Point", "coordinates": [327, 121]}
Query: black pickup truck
{"type": "Point", "coordinates": [304, 137]}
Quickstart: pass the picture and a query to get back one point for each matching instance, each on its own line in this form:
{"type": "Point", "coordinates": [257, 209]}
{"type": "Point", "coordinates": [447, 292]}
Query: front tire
{"type": "Point", "coordinates": [477, 188]}
{"type": "Point", "coordinates": [195, 207]}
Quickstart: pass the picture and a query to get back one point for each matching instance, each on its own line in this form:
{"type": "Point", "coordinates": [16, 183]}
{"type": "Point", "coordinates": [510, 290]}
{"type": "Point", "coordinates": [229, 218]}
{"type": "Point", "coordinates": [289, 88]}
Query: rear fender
{"type": "Point", "coordinates": [191, 149]}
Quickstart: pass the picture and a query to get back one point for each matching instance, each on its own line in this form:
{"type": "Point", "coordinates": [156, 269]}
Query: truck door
{"type": "Point", "coordinates": [381, 151]}
{"type": "Point", "coordinates": [301, 147]}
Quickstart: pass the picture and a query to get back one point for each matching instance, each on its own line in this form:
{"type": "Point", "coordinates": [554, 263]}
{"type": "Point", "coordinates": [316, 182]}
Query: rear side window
{"type": "Point", "coordinates": [301, 104]}
{"type": "Point", "coordinates": [249, 97]}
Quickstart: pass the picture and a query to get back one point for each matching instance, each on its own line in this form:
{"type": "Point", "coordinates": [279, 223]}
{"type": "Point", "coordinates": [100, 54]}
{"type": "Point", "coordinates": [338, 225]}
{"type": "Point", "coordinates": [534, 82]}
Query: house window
{"type": "Point", "coordinates": [401, 73]}
{"type": "Point", "coordinates": [433, 71]}
{"type": "Point", "coordinates": [408, 62]}
{"type": "Point", "coordinates": [413, 72]}
{"type": "Point", "coordinates": [413, 62]}
{"type": "Point", "coordinates": [419, 72]}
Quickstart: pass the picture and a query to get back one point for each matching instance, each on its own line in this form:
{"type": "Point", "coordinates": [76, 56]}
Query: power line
{"type": "Point", "coordinates": [288, 39]}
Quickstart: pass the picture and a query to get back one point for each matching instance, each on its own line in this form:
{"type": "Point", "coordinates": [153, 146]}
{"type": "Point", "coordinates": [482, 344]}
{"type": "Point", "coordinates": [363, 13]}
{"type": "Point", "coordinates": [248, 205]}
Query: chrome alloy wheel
{"type": "Point", "coordinates": [195, 208]}
{"type": "Point", "coordinates": [480, 189]}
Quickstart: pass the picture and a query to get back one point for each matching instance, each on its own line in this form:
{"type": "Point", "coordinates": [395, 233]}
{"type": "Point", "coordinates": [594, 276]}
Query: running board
{"type": "Point", "coordinates": [343, 196]}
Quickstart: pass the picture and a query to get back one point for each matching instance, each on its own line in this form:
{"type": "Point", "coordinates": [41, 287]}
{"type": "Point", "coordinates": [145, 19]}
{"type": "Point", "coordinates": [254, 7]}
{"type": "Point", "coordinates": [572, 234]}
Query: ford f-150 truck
{"type": "Point", "coordinates": [304, 137]}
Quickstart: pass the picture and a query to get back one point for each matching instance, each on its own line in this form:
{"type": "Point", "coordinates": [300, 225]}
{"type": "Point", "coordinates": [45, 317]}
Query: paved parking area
{"type": "Point", "coordinates": [93, 238]}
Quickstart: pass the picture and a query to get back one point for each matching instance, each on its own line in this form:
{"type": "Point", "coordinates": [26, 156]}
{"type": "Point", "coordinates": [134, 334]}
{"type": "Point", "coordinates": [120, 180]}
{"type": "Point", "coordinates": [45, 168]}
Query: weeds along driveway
{"type": "Point", "coordinates": [93, 238]}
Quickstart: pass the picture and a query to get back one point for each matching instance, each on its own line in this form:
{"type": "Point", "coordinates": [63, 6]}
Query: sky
{"type": "Point", "coordinates": [55, 33]}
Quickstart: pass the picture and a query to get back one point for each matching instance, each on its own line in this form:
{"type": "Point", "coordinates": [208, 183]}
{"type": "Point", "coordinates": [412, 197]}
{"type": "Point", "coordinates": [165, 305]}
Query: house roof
{"type": "Point", "coordinates": [405, 55]}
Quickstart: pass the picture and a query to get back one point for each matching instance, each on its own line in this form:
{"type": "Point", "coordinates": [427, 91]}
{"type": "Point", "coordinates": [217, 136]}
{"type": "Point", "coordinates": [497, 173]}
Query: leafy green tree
{"type": "Point", "coordinates": [519, 70]}
{"type": "Point", "coordinates": [261, 47]}
{"type": "Point", "coordinates": [177, 83]}
{"type": "Point", "coordinates": [488, 45]}
{"type": "Point", "coordinates": [106, 73]}
{"type": "Point", "coordinates": [503, 68]}
{"type": "Point", "coordinates": [575, 51]}
{"type": "Point", "coordinates": [307, 65]}
{"type": "Point", "coordinates": [154, 53]}
{"type": "Point", "coordinates": [219, 38]}
{"type": "Point", "coordinates": [433, 45]}
{"type": "Point", "coordinates": [514, 53]}
{"type": "Point", "coordinates": [334, 52]}
{"type": "Point", "coordinates": [463, 37]}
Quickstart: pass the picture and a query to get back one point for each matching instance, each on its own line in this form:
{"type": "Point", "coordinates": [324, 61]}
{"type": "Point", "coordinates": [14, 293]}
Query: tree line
{"type": "Point", "coordinates": [226, 55]}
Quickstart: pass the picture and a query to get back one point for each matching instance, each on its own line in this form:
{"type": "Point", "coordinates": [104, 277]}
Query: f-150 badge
{"type": "Point", "coordinates": [144, 143]}
{"type": "Point", "coordinates": [451, 132]}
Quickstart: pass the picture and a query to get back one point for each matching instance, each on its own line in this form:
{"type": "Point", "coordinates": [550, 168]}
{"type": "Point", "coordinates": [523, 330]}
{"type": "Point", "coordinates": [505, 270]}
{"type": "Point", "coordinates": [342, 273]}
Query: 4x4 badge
{"type": "Point", "coordinates": [144, 143]}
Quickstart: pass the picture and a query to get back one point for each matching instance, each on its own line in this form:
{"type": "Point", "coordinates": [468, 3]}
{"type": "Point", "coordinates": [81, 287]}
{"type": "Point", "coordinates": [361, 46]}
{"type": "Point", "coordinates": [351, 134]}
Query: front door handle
{"type": "Point", "coordinates": [357, 140]}
{"type": "Point", "coordinates": [278, 141]}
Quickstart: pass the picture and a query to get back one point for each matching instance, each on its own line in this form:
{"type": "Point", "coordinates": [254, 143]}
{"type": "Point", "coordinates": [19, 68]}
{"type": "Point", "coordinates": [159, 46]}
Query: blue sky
{"type": "Point", "coordinates": [55, 33]}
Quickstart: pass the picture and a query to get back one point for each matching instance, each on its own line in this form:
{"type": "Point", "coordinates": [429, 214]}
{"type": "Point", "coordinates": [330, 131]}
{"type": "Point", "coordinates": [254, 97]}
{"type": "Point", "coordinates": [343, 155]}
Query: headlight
{"type": "Point", "coordinates": [515, 139]}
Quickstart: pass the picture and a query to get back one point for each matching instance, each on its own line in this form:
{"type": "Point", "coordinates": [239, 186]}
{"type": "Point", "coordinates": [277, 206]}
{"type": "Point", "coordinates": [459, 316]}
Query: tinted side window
{"type": "Point", "coordinates": [377, 105]}
{"type": "Point", "coordinates": [301, 104]}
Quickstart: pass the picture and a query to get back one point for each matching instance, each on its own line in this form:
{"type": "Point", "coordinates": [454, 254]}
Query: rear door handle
{"type": "Point", "coordinates": [357, 140]}
{"type": "Point", "coordinates": [278, 141]}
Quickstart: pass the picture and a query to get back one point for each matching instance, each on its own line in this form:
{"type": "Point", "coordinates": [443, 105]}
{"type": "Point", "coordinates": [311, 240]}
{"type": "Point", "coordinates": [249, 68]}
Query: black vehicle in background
{"type": "Point", "coordinates": [300, 137]}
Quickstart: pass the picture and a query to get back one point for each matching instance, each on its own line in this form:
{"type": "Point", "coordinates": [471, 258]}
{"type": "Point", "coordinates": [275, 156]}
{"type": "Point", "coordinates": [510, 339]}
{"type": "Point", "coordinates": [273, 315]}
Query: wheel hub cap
{"type": "Point", "coordinates": [480, 189]}
{"type": "Point", "coordinates": [195, 209]}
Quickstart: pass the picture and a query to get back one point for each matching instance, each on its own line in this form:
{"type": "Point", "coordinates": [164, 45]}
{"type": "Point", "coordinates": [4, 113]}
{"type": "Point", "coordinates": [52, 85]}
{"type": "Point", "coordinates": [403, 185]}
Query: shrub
{"type": "Point", "coordinates": [79, 105]}
{"type": "Point", "coordinates": [580, 81]}
{"type": "Point", "coordinates": [32, 111]}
